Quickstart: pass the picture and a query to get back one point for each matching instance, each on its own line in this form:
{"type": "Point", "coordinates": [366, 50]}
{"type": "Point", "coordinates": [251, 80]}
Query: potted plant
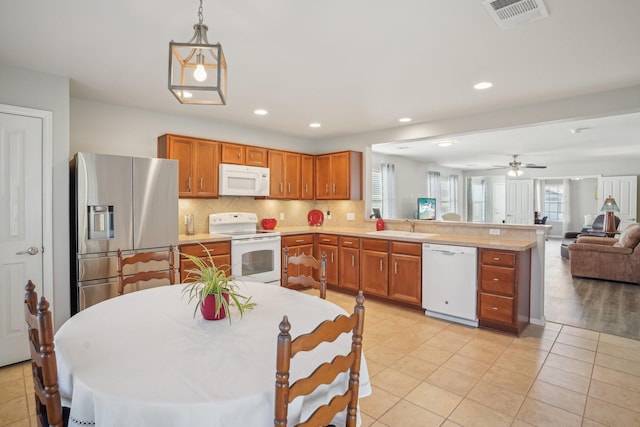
{"type": "Point", "coordinates": [214, 290]}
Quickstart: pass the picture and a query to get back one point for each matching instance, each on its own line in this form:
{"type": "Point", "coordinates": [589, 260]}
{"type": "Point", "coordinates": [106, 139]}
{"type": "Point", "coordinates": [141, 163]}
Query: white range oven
{"type": "Point", "coordinates": [255, 255]}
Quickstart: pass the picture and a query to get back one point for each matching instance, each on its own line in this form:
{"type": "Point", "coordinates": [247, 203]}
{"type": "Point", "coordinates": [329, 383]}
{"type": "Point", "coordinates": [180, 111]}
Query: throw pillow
{"type": "Point", "coordinates": [630, 237]}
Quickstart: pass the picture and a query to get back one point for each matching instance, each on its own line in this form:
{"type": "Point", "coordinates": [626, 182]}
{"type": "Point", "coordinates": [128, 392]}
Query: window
{"type": "Point", "coordinates": [448, 194]}
{"type": "Point", "coordinates": [554, 201]}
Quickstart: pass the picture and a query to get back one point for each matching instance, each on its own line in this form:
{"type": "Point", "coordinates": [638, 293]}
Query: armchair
{"type": "Point", "coordinates": [594, 230]}
{"type": "Point", "coordinates": [607, 258]}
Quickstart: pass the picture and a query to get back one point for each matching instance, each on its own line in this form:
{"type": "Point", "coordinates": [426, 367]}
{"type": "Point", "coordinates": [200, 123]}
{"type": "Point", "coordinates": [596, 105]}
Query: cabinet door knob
{"type": "Point", "coordinates": [494, 308]}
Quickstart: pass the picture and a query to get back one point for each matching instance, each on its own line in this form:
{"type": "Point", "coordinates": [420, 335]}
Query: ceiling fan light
{"type": "Point", "coordinates": [514, 172]}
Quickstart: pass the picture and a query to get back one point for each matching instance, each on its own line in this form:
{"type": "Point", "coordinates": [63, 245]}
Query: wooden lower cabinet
{"type": "Point", "coordinates": [220, 254]}
{"type": "Point", "coordinates": [405, 274]}
{"type": "Point", "coordinates": [328, 244]}
{"type": "Point", "coordinates": [349, 263]}
{"type": "Point", "coordinates": [374, 266]}
{"type": "Point", "coordinates": [504, 279]}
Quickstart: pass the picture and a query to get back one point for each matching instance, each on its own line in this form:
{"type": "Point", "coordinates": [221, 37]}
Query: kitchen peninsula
{"type": "Point", "coordinates": [400, 245]}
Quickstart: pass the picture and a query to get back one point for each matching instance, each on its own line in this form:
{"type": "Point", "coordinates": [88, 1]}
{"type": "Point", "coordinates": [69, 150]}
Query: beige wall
{"type": "Point", "coordinates": [295, 211]}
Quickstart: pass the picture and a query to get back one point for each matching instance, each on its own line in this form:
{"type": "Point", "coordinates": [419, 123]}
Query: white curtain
{"type": "Point", "coordinates": [453, 193]}
{"type": "Point", "coordinates": [388, 184]}
{"type": "Point", "coordinates": [433, 188]}
{"type": "Point", "coordinates": [538, 195]}
{"type": "Point", "coordinates": [566, 205]}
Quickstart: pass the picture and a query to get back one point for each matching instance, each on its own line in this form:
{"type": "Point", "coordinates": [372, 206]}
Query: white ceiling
{"type": "Point", "coordinates": [355, 66]}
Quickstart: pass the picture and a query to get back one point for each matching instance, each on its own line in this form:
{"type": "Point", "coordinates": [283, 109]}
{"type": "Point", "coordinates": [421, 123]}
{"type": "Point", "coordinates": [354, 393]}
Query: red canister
{"type": "Point", "coordinates": [380, 224]}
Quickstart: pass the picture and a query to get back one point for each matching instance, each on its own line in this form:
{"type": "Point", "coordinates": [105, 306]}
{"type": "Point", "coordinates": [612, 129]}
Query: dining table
{"type": "Point", "coordinates": [149, 358]}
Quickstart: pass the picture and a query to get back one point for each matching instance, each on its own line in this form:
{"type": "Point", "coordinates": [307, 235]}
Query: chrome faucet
{"type": "Point", "coordinates": [412, 224]}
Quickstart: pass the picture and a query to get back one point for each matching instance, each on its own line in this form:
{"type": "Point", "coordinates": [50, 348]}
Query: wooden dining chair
{"type": "Point", "coordinates": [49, 408]}
{"type": "Point", "coordinates": [303, 280]}
{"type": "Point", "coordinates": [326, 373]}
{"type": "Point", "coordinates": [144, 276]}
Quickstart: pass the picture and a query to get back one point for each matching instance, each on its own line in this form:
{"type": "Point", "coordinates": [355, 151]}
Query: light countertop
{"type": "Point", "coordinates": [445, 239]}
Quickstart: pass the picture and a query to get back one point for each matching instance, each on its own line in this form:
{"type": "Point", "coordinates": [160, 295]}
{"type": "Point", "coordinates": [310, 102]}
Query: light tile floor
{"type": "Point", "coordinates": [428, 372]}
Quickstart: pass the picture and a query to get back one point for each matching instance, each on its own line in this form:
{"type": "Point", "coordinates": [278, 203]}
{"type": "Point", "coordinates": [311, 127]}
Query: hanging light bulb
{"type": "Point", "coordinates": [200, 74]}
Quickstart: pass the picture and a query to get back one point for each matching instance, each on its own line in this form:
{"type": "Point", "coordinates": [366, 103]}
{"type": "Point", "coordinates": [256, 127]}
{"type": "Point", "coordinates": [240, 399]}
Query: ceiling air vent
{"type": "Point", "coordinates": [509, 13]}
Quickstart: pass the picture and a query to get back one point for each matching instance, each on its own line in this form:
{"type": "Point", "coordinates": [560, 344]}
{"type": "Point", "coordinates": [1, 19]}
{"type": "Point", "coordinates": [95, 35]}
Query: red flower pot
{"type": "Point", "coordinates": [208, 307]}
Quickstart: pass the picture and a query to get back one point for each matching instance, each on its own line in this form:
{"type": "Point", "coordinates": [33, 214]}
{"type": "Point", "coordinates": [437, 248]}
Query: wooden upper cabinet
{"type": "Point", "coordinates": [232, 153]}
{"type": "Point", "coordinates": [284, 179]}
{"type": "Point", "coordinates": [239, 154]}
{"type": "Point", "coordinates": [198, 161]}
{"type": "Point", "coordinates": [339, 176]}
{"type": "Point", "coordinates": [256, 156]}
{"type": "Point", "coordinates": [307, 176]}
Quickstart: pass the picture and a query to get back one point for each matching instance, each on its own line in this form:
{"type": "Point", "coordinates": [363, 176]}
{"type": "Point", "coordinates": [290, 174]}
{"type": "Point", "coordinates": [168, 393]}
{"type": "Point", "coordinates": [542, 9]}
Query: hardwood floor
{"type": "Point", "coordinates": [598, 305]}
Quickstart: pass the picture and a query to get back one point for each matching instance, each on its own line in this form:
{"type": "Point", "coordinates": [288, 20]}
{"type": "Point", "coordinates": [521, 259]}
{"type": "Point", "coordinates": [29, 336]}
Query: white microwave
{"type": "Point", "coordinates": [239, 180]}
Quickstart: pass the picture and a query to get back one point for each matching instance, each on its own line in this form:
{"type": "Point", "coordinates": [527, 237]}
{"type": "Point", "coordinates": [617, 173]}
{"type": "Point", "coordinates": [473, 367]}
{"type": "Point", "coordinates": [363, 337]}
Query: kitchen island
{"type": "Point", "coordinates": [348, 247]}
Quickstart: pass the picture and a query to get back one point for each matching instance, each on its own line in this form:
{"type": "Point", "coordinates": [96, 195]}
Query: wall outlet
{"type": "Point", "coordinates": [494, 231]}
{"type": "Point", "coordinates": [328, 214]}
{"type": "Point", "coordinates": [281, 216]}
{"type": "Point", "coordinates": [351, 216]}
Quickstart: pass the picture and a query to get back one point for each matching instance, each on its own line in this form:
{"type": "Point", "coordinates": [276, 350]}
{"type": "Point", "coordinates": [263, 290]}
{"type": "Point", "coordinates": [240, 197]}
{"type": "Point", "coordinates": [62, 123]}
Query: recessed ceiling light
{"type": "Point", "coordinates": [314, 125]}
{"type": "Point", "coordinates": [445, 143]}
{"type": "Point", "coordinates": [404, 119]}
{"type": "Point", "coordinates": [482, 85]}
{"type": "Point", "coordinates": [260, 112]}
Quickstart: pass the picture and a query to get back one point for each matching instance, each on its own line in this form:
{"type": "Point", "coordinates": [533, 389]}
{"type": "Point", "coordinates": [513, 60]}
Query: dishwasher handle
{"type": "Point", "coordinates": [446, 252]}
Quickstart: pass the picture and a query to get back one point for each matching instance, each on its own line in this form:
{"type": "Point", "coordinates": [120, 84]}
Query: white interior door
{"type": "Point", "coordinates": [499, 214]}
{"type": "Point", "coordinates": [520, 201]}
{"type": "Point", "coordinates": [624, 189]}
{"type": "Point", "coordinates": [21, 230]}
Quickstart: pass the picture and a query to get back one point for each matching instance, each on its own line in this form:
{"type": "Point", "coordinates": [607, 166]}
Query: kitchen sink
{"type": "Point", "coordinates": [398, 233]}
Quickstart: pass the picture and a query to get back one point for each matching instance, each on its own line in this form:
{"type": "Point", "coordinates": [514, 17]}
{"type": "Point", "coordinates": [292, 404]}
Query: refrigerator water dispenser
{"type": "Point", "coordinates": [100, 222]}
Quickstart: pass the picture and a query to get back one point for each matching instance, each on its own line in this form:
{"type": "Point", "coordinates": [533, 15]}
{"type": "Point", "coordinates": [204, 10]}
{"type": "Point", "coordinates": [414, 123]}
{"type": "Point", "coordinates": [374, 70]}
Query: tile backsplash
{"type": "Point", "coordinates": [295, 211]}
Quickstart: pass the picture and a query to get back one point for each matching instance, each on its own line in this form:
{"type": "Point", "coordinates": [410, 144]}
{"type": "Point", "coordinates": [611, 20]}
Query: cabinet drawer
{"type": "Point", "coordinates": [496, 308]}
{"type": "Point", "coordinates": [375, 245]}
{"type": "Point", "coordinates": [503, 259]}
{"type": "Point", "coordinates": [406, 248]}
{"type": "Point", "coordinates": [298, 239]}
{"type": "Point", "coordinates": [349, 242]}
{"type": "Point", "coordinates": [497, 279]}
{"type": "Point", "coordinates": [215, 248]}
{"type": "Point", "coordinates": [328, 239]}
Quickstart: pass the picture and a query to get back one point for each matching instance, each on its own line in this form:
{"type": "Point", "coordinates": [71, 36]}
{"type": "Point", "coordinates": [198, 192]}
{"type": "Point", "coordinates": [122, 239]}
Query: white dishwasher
{"type": "Point", "coordinates": [449, 282]}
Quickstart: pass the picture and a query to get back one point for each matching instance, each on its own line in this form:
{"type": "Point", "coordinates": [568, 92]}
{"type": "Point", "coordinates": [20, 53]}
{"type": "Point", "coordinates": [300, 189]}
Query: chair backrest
{"type": "Point", "coordinates": [143, 276]}
{"type": "Point", "coordinates": [43, 357]}
{"type": "Point", "coordinates": [598, 223]}
{"type": "Point", "coordinates": [307, 281]}
{"type": "Point", "coordinates": [327, 331]}
{"type": "Point", "coordinates": [451, 216]}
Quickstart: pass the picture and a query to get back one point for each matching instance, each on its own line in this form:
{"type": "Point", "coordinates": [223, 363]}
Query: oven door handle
{"type": "Point", "coordinates": [252, 240]}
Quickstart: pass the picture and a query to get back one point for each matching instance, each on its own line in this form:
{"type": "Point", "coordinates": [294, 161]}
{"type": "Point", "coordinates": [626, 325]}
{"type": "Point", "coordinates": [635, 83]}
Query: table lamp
{"type": "Point", "coordinates": [609, 207]}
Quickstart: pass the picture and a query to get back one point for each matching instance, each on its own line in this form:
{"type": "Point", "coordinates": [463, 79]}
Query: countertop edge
{"type": "Point", "coordinates": [444, 239]}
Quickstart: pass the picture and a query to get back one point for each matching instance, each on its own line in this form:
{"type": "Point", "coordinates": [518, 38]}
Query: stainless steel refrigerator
{"type": "Point", "coordinates": [118, 202]}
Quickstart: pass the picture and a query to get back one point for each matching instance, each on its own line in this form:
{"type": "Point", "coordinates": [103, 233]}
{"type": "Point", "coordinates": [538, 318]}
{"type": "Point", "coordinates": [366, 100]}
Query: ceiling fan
{"type": "Point", "coordinates": [515, 167]}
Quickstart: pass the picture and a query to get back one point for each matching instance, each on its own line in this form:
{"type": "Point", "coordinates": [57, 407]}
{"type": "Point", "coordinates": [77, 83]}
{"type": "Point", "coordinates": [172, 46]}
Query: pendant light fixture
{"type": "Point", "coordinates": [197, 69]}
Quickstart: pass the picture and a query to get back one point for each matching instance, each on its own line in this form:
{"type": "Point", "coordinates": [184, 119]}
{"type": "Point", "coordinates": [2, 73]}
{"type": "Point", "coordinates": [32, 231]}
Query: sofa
{"type": "Point", "coordinates": [608, 258]}
{"type": "Point", "coordinates": [594, 229]}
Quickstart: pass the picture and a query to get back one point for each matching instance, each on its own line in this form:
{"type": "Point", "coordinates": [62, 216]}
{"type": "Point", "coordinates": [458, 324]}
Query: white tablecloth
{"type": "Point", "coordinates": [143, 359]}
